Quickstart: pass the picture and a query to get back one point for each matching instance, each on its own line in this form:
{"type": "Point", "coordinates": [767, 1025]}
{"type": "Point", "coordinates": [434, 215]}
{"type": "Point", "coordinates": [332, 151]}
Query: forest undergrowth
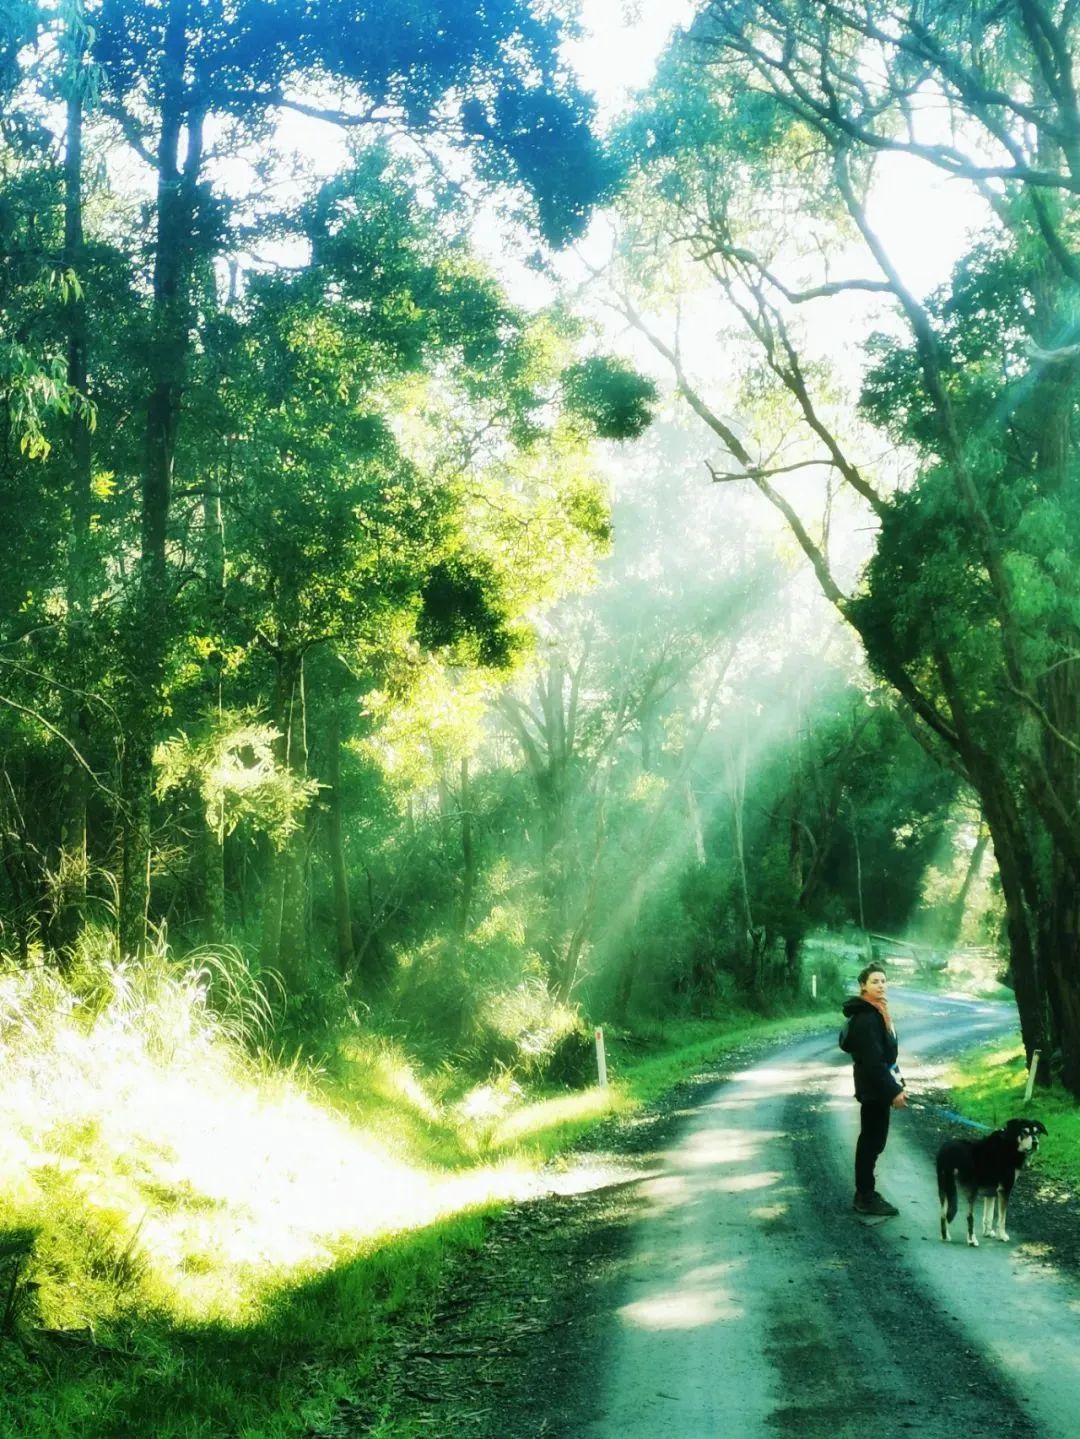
{"type": "Point", "coordinates": [205, 1231]}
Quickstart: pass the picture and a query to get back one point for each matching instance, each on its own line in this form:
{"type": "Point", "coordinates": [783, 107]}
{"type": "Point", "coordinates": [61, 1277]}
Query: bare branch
{"type": "Point", "coordinates": [767, 472]}
{"type": "Point", "coordinates": [828, 116]}
{"type": "Point", "coordinates": [768, 325]}
{"type": "Point", "coordinates": [59, 734]}
{"type": "Point", "coordinates": [349, 119]}
{"type": "Point", "coordinates": [132, 131]}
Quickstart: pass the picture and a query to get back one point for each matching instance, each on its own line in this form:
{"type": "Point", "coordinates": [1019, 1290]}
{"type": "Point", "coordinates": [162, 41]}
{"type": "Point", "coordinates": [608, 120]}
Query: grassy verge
{"type": "Point", "coordinates": [987, 1085]}
{"type": "Point", "coordinates": [642, 1065]}
{"type": "Point", "coordinates": [656, 1060]}
{"type": "Point", "coordinates": [194, 1243]}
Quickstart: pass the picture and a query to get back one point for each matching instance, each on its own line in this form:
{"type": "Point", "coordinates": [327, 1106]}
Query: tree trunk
{"type": "Point", "coordinates": [858, 870]}
{"type": "Point", "coordinates": [25, 886]}
{"type": "Point", "coordinates": [70, 901]}
{"type": "Point", "coordinates": [801, 887]}
{"type": "Point", "coordinates": [957, 908]}
{"type": "Point", "coordinates": [630, 964]}
{"type": "Point", "coordinates": [336, 838]}
{"type": "Point", "coordinates": [1059, 910]}
{"type": "Point", "coordinates": [211, 866]}
{"type": "Point", "coordinates": [1020, 903]}
{"type": "Point", "coordinates": [1062, 956]}
{"type": "Point", "coordinates": [151, 628]}
{"type": "Point", "coordinates": [1016, 867]}
{"type": "Point", "coordinates": [209, 837]}
{"type": "Point", "coordinates": [693, 815]}
{"type": "Point", "coordinates": [751, 944]}
{"type": "Point", "coordinates": [284, 945]}
{"type": "Point", "coordinates": [468, 851]}
{"type": "Point", "coordinates": [273, 901]}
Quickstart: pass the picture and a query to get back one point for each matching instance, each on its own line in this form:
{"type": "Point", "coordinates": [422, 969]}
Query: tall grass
{"type": "Point", "coordinates": [172, 1198]}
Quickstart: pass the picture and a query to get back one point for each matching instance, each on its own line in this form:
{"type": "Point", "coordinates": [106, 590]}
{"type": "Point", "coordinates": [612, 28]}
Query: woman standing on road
{"type": "Point", "coordinates": [870, 1038]}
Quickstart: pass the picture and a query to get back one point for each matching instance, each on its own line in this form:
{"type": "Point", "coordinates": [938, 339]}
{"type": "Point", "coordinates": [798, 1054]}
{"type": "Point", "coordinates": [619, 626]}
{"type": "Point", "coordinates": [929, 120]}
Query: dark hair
{"type": "Point", "coordinates": [864, 974]}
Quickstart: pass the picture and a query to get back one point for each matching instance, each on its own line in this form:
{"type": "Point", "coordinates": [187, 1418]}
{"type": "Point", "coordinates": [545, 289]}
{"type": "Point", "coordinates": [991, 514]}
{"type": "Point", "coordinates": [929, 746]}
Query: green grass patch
{"type": "Point", "coordinates": [642, 1065]}
{"type": "Point", "coordinates": [313, 1346]}
{"type": "Point", "coordinates": [988, 1086]}
{"type": "Point", "coordinates": [650, 1062]}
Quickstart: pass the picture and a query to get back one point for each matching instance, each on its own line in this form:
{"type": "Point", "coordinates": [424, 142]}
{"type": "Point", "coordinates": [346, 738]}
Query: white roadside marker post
{"type": "Point", "coordinates": [813, 986]}
{"type": "Point", "coordinates": [1035, 1053]}
{"type": "Point", "coordinates": [601, 1058]}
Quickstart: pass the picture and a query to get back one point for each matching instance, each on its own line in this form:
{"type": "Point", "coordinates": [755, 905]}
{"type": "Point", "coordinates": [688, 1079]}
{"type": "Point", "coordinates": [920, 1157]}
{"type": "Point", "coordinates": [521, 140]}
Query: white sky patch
{"type": "Point", "coordinates": [622, 42]}
{"type": "Point", "coordinates": [924, 217]}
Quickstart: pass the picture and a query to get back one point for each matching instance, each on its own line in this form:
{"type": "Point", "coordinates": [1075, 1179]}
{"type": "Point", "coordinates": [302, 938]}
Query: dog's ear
{"type": "Point", "coordinates": [1039, 1126]}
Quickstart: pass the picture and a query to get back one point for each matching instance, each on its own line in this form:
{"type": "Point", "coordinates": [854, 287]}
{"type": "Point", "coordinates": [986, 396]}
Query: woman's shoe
{"type": "Point", "coordinates": [875, 1204]}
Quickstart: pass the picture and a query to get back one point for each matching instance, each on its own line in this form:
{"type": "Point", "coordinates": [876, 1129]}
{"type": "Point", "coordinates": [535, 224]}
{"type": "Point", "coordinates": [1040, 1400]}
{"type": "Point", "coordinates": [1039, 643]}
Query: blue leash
{"type": "Point", "coordinates": [962, 1119]}
{"type": "Point", "coordinates": [952, 1114]}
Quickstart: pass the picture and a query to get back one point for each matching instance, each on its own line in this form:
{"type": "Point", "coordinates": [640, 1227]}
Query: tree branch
{"type": "Point", "coordinates": [58, 734]}
{"type": "Point", "coordinates": [131, 131]}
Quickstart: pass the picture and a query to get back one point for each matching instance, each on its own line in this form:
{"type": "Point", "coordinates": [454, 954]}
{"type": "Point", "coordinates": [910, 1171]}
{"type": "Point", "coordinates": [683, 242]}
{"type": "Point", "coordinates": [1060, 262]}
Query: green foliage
{"type": "Point", "coordinates": [896, 811]}
{"type": "Point", "coordinates": [155, 1288]}
{"type": "Point", "coordinates": [462, 610]}
{"type": "Point", "coordinates": [611, 397]}
{"type": "Point", "coordinates": [33, 391]}
{"type": "Point", "coordinates": [471, 73]}
{"type": "Point", "coordinates": [690, 946]}
{"type": "Point", "coordinates": [759, 154]}
{"type": "Point", "coordinates": [35, 290]}
{"type": "Point", "coordinates": [988, 1084]}
{"type": "Point", "coordinates": [534, 1037]}
{"type": "Point", "coordinates": [233, 767]}
{"type": "Point", "coordinates": [927, 589]}
{"type": "Point", "coordinates": [18, 26]}
{"type": "Point", "coordinates": [484, 1008]}
{"type": "Point", "coordinates": [981, 319]}
{"type": "Point", "coordinates": [371, 461]}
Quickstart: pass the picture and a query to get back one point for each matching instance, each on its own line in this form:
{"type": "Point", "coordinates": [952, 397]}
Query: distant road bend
{"type": "Point", "coordinates": [758, 1304]}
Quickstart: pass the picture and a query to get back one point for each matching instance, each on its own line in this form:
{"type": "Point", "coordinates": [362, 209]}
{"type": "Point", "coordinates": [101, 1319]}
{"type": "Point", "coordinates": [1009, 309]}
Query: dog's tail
{"type": "Point", "coordinates": [946, 1188]}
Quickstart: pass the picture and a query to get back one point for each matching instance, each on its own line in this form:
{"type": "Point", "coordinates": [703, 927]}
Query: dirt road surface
{"type": "Point", "coordinates": [700, 1274]}
{"type": "Point", "coordinates": [755, 1303]}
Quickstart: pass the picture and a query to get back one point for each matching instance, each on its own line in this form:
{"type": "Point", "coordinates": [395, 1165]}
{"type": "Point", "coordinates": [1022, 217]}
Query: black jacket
{"type": "Point", "coordinates": [873, 1049]}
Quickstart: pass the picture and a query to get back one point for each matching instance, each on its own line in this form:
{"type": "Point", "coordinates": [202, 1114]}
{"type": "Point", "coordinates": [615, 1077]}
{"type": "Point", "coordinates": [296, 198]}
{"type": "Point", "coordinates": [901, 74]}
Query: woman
{"type": "Point", "coordinates": [870, 1038]}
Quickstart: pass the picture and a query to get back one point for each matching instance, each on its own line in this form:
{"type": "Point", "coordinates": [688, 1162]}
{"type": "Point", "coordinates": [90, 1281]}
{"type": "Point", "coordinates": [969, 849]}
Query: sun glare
{"type": "Point", "coordinates": [226, 1185]}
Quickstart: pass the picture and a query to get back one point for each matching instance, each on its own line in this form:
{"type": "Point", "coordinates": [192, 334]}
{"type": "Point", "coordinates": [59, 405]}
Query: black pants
{"type": "Point", "coordinates": [873, 1133]}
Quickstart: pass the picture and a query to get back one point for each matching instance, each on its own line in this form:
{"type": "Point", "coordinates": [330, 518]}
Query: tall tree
{"type": "Point", "coordinates": [174, 75]}
{"type": "Point", "coordinates": [969, 611]}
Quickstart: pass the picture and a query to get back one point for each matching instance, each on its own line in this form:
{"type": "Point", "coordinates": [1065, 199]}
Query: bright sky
{"type": "Point", "coordinates": [623, 38]}
{"type": "Point", "coordinates": [923, 215]}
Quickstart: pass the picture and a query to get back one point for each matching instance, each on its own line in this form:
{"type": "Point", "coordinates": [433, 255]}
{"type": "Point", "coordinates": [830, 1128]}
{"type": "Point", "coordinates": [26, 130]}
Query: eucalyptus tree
{"type": "Point", "coordinates": [761, 145]}
{"type": "Point", "coordinates": [50, 416]}
{"type": "Point", "coordinates": [30, 382]}
{"type": "Point", "coordinates": [395, 460]}
{"type": "Point", "coordinates": [187, 84]}
{"type": "Point", "coordinates": [76, 85]}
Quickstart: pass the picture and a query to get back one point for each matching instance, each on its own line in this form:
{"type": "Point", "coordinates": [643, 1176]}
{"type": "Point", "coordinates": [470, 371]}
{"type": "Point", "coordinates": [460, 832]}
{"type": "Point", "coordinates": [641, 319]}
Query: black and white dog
{"type": "Point", "coordinates": [988, 1167]}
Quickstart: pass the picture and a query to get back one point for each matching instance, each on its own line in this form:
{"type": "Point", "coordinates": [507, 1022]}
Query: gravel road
{"type": "Point", "coordinates": [699, 1273]}
{"type": "Point", "coordinates": [754, 1302]}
